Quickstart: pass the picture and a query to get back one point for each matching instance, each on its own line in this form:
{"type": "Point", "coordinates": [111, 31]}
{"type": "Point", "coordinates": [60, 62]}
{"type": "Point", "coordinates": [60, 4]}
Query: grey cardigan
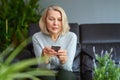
{"type": "Point", "coordinates": [67, 42]}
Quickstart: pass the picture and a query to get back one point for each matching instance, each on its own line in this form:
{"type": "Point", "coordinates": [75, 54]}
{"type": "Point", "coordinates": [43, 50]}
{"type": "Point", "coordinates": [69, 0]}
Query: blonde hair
{"type": "Point", "coordinates": [42, 22]}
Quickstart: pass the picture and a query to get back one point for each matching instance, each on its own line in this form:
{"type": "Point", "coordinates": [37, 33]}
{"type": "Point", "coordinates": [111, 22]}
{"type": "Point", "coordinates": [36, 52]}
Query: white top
{"type": "Point", "coordinates": [66, 42]}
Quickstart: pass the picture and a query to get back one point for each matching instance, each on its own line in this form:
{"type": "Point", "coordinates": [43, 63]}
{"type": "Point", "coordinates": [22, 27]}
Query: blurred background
{"type": "Point", "coordinates": [89, 11]}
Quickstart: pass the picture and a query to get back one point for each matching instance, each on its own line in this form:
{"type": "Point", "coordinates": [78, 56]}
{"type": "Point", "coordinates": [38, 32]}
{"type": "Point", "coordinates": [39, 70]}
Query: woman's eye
{"type": "Point", "coordinates": [51, 19]}
{"type": "Point", "coordinates": [59, 19]}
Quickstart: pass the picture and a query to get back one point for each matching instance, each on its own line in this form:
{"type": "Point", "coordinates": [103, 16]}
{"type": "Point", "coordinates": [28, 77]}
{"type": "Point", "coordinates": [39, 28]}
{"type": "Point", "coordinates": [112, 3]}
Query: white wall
{"type": "Point", "coordinates": [88, 11]}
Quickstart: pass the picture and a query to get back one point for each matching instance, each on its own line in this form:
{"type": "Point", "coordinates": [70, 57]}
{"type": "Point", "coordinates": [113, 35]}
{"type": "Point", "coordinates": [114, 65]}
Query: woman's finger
{"type": "Point", "coordinates": [63, 59]}
{"type": "Point", "coordinates": [62, 53]}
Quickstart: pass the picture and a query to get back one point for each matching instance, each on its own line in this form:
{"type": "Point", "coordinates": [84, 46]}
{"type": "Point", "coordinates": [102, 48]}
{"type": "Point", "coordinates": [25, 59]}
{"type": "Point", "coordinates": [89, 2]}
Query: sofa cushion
{"type": "Point", "coordinates": [76, 63]}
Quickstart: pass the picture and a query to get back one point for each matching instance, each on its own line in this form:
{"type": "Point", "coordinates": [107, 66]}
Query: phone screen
{"type": "Point", "coordinates": [56, 48]}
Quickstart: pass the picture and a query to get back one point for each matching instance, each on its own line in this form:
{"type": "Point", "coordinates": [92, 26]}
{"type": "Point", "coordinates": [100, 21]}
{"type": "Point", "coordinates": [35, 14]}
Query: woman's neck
{"type": "Point", "coordinates": [54, 37]}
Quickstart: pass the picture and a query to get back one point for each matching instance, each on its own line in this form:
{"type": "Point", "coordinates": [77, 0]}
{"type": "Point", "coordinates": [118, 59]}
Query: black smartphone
{"type": "Point", "coordinates": [56, 48]}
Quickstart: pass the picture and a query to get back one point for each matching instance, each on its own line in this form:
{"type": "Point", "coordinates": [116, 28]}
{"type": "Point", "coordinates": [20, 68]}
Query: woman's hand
{"type": "Point", "coordinates": [48, 52]}
{"type": "Point", "coordinates": [62, 55]}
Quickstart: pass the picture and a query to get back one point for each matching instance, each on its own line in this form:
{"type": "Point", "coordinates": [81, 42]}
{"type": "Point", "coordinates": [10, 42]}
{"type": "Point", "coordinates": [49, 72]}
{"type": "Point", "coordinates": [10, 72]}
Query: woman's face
{"type": "Point", "coordinates": [54, 22]}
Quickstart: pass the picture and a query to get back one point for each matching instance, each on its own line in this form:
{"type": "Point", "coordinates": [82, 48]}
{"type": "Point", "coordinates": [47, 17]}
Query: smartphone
{"type": "Point", "coordinates": [56, 48]}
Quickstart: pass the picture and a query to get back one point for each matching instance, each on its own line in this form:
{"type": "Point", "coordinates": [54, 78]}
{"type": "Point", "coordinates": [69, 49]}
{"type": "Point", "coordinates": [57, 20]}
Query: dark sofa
{"type": "Point", "coordinates": [101, 36]}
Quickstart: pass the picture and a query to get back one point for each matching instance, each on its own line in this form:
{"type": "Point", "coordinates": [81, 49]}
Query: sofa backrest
{"type": "Point", "coordinates": [100, 33]}
{"type": "Point", "coordinates": [33, 28]}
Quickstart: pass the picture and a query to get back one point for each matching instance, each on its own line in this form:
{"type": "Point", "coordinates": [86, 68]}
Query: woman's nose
{"type": "Point", "coordinates": [55, 22]}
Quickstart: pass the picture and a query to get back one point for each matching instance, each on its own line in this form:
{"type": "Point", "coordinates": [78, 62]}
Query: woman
{"type": "Point", "coordinates": [55, 34]}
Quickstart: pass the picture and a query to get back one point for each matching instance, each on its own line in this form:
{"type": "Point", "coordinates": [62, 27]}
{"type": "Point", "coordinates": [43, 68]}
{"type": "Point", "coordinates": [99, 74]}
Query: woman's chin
{"type": "Point", "coordinates": [55, 32]}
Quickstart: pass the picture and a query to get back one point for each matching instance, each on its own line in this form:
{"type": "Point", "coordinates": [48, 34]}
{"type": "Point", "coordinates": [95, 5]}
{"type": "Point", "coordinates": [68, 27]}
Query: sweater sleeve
{"type": "Point", "coordinates": [38, 51]}
{"type": "Point", "coordinates": [71, 49]}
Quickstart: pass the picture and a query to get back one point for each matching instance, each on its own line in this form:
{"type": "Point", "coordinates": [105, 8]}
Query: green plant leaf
{"type": "Point", "coordinates": [105, 68]}
{"type": "Point", "coordinates": [21, 76]}
{"type": "Point", "coordinates": [17, 50]}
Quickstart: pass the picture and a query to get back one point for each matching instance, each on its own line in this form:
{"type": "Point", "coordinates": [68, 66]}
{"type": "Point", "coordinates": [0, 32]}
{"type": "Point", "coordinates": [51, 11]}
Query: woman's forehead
{"type": "Point", "coordinates": [54, 13]}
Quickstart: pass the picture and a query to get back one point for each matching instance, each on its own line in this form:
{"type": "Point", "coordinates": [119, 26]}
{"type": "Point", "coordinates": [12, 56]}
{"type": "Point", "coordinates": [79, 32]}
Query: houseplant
{"type": "Point", "coordinates": [105, 68]}
{"type": "Point", "coordinates": [19, 70]}
{"type": "Point", "coordinates": [15, 17]}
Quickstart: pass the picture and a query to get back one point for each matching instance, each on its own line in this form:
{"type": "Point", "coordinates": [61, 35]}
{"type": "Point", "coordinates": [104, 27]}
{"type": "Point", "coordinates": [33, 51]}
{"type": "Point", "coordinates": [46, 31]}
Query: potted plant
{"type": "Point", "coordinates": [20, 70]}
{"type": "Point", "coordinates": [15, 17]}
{"type": "Point", "coordinates": [104, 67]}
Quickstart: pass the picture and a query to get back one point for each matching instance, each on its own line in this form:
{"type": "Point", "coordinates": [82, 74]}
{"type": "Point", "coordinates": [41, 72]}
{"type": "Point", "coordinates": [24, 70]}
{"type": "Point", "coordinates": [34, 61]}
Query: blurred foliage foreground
{"type": "Point", "coordinates": [20, 70]}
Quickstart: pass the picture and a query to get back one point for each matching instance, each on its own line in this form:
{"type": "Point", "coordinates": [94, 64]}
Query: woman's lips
{"type": "Point", "coordinates": [55, 28]}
